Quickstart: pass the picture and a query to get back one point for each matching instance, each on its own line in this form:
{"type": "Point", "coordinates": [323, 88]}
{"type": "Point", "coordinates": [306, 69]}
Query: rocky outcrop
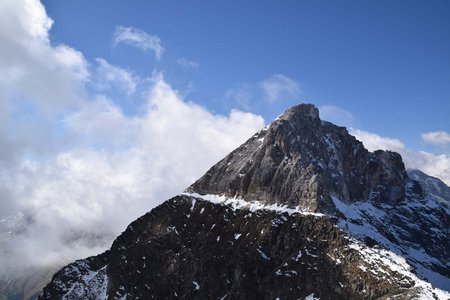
{"type": "Point", "coordinates": [300, 160]}
{"type": "Point", "coordinates": [83, 279]}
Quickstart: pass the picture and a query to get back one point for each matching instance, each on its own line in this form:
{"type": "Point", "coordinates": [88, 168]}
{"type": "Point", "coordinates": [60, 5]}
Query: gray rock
{"type": "Point", "coordinates": [300, 160]}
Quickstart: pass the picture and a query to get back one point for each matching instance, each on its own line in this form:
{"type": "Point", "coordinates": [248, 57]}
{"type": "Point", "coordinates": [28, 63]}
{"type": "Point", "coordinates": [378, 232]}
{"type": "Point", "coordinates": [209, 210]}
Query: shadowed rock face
{"type": "Point", "coordinates": [300, 160]}
{"type": "Point", "coordinates": [246, 230]}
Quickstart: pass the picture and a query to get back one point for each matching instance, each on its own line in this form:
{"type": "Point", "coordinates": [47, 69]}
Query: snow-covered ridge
{"type": "Point", "coordinates": [378, 260]}
{"type": "Point", "coordinates": [378, 222]}
{"type": "Point", "coordinates": [239, 203]}
{"type": "Point", "coordinates": [80, 280]}
{"type": "Point", "coordinates": [92, 285]}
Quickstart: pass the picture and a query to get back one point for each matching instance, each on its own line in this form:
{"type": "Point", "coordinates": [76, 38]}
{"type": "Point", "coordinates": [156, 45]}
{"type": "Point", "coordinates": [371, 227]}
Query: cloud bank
{"type": "Point", "coordinates": [72, 204]}
{"type": "Point", "coordinates": [75, 170]}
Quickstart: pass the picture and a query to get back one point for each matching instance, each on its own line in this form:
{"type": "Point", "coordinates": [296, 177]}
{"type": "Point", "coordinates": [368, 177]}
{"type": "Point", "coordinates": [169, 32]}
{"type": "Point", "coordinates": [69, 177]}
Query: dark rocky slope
{"type": "Point", "coordinates": [300, 210]}
{"type": "Point", "coordinates": [190, 248]}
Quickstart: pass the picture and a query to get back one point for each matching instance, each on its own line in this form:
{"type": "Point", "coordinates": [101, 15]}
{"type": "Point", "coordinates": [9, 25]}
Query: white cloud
{"type": "Point", "coordinates": [374, 141]}
{"type": "Point", "coordinates": [432, 164]}
{"type": "Point", "coordinates": [187, 63]}
{"type": "Point", "coordinates": [110, 76]}
{"type": "Point", "coordinates": [336, 115]}
{"type": "Point", "coordinates": [32, 23]}
{"type": "Point", "coordinates": [279, 87]}
{"type": "Point", "coordinates": [38, 81]}
{"type": "Point", "coordinates": [138, 38]}
{"type": "Point", "coordinates": [102, 123]}
{"type": "Point", "coordinates": [436, 138]}
{"type": "Point", "coordinates": [31, 68]}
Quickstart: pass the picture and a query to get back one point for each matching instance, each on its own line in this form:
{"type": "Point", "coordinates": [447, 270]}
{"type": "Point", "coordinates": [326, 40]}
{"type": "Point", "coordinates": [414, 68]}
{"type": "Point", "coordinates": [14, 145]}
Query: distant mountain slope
{"type": "Point", "coordinates": [301, 210]}
{"type": "Point", "coordinates": [25, 285]}
{"type": "Point", "coordinates": [433, 186]}
{"type": "Point", "coordinates": [22, 279]}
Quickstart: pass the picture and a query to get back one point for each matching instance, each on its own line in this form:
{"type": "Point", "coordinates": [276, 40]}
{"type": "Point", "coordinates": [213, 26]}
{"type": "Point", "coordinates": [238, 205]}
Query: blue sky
{"type": "Point", "coordinates": [108, 108]}
{"type": "Point", "coordinates": [385, 62]}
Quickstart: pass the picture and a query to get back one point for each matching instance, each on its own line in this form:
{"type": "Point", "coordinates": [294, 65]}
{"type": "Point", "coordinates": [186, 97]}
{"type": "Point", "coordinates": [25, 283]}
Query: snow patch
{"type": "Point", "coordinates": [311, 297]}
{"type": "Point", "coordinates": [239, 203]}
{"type": "Point", "coordinates": [263, 255]}
{"type": "Point", "coordinates": [193, 204]}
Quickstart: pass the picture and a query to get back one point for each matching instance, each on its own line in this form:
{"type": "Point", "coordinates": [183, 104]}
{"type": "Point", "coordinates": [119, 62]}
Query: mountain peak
{"type": "Point", "coordinates": [300, 160]}
{"type": "Point", "coordinates": [301, 112]}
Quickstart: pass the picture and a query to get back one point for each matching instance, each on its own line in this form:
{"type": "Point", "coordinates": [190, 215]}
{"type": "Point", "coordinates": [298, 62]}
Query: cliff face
{"type": "Point", "coordinates": [300, 210]}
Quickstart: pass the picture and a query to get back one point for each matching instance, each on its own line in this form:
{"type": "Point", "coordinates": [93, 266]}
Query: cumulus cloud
{"type": "Point", "coordinates": [138, 38]}
{"type": "Point", "coordinates": [39, 80]}
{"type": "Point", "coordinates": [279, 87]}
{"type": "Point", "coordinates": [432, 164]}
{"type": "Point", "coordinates": [28, 61]}
{"type": "Point", "coordinates": [440, 138]}
{"type": "Point", "coordinates": [336, 115]}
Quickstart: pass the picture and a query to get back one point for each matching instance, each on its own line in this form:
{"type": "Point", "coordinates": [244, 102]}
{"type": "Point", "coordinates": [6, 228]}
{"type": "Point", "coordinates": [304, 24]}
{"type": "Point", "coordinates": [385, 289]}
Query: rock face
{"type": "Point", "coordinates": [301, 160]}
{"type": "Point", "coordinates": [300, 210]}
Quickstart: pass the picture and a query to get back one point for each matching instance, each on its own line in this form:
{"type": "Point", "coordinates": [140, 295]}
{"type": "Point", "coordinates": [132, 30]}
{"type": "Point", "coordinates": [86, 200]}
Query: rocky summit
{"type": "Point", "coordinates": [300, 211]}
